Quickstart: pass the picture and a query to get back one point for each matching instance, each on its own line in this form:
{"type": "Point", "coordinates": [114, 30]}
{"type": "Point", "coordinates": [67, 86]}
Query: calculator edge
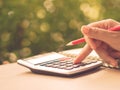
{"type": "Point", "coordinates": [36, 69]}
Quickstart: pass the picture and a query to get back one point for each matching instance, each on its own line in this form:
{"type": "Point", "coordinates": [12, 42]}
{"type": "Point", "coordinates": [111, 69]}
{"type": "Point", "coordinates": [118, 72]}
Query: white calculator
{"type": "Point", "coordinates": [59, 64]}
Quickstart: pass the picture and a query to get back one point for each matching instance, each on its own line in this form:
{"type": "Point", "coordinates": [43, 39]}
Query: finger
{"type": "Point", "coordinates": [115, 54]}
{"type": "Point", "coordinates": [112, 23]}
{"type": "Point", "coordinates": [107, 23]}
{"type": "Point", "coordinates": [106, 36]}
{"type": "Point", "coordinates": [102, 52]}
{"type": "Point", "coordinates": [98, 33]}
{"type": "Point", "coordinates": [92, 42]}
{"type": "Point", "coordinates": [84, 52]}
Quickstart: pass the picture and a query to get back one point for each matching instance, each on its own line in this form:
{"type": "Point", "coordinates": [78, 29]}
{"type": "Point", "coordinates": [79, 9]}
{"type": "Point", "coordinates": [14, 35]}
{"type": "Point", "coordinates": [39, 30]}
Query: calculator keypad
{"type": "Point", "coordinates": [65, 63]}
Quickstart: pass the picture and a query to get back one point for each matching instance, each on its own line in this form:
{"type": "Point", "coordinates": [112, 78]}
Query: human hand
{"type": "Point", "coordinates": [104, 42]}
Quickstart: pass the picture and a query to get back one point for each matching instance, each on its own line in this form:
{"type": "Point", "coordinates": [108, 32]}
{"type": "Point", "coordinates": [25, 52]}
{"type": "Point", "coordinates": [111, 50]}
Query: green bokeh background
{"type": "Point", "coordinates": [31, 27]}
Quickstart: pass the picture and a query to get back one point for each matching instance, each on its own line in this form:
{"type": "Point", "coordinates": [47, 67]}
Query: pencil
{"type": "Point", "coordinates": [81, 40]}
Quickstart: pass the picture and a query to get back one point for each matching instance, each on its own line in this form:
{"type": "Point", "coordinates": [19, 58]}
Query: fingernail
{"type": "Point", "coordinates": [115, 64]}
{"type": "Point", "coordinates": [85, 29]}
{"type": "Point", "coordinates": [111, 66]}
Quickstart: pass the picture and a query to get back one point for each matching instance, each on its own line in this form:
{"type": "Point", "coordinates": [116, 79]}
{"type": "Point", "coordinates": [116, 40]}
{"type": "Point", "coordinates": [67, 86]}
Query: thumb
{"type": "Point", "coordinates": [97, 33]}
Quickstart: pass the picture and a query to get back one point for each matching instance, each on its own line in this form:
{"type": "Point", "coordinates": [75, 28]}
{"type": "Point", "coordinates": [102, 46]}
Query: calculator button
{"type": "Point", "coordinates": [69, 68]}
{"type": "Point", "coordinates": [42, 64]}
{"type": "Point", "coordinates": [49, 62]}
{"type": "Point", "coordinates": [83, 64]}
{"type": "Point", "coordinates": [62, 64]}
{"type": "Point", "coordinates": [63, 61]}
{"type": "Point", "coordinates": [69, 65]}
{"type": "Point", "coordinates": [56, 63]}
{"type": "Point", "coordinates": [69, 62]}
{"type": "Point", "coordinates": [55, 66]}
{"type": "Point", "coordinates": [49, 65]}
{"type": "Point", "coordinates": [76, 65]}
{"type": "Point", "coordinates": [62, 67]}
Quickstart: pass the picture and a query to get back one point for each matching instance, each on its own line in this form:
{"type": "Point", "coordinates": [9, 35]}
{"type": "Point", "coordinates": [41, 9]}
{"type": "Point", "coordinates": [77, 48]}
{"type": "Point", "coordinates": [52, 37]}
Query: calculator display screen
{"type": "Point", "coordinates": [44, 58]}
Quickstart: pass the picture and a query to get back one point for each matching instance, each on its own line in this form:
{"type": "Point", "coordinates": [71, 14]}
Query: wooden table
{"type": "Point", "coordinates": [16, 77]}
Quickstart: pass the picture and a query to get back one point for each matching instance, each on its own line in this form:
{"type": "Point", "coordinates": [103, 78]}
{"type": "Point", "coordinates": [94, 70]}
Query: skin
{"type": "Point", "coordinates": [104, 42]}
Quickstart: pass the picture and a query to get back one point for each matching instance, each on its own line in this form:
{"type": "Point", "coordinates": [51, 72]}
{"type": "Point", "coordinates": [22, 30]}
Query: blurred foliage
{"type": "Point", "coordinates": [30, 27]}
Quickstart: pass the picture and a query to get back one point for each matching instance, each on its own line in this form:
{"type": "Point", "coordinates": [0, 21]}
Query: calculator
{"type": "Point", "coordinates": [58, 64]}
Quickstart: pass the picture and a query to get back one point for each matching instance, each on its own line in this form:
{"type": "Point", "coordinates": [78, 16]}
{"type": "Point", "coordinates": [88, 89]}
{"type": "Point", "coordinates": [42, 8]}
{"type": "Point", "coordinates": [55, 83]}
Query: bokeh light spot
{"type": "Point", "coordinates": [57, 37]}
{"type": "Point", "coordinates": [90, 11]}
{"type": "Point", "coordinates": [44, 27]}
{"type": "Point", "coordinates": [41, 13]}
{"type": "Point", "coordinates": [5, 36]}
